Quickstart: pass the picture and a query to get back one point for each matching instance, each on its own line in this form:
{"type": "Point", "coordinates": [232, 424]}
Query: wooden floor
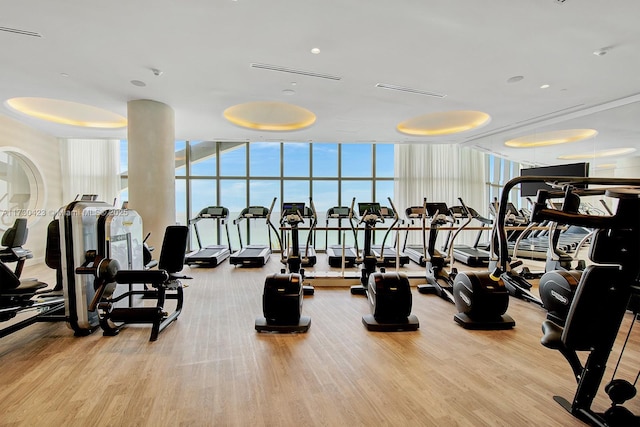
{"type": "Point", "coordinates": [211, 368]}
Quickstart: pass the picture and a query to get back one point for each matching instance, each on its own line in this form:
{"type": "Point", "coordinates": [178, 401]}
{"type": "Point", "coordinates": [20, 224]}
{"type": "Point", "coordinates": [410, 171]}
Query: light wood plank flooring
{"type": "Point", "coordinates": [210, 368]}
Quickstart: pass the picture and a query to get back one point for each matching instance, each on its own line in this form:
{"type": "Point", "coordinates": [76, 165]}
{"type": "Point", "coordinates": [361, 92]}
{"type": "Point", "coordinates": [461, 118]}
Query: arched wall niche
{"type": "Point", "coordinates": [22, 188]}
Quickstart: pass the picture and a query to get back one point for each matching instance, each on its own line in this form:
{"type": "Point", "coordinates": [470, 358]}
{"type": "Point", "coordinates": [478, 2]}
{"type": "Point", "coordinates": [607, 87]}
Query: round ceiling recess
{"type": "Point", "coordinates": [67, 113]}
{"type": "Point", "coordinates": [444, 123]}
{"type": "Point", "coordinates": [553, 137]}
{"type": "Point", "coordinates": [270, 115]}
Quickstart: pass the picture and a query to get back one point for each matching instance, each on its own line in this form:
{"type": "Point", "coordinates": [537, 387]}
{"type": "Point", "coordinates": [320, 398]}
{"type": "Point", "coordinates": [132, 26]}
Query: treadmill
{"type": "Point", "coordinates": [334, 252]}
{"type": "Point", "coordinates": [211, 255]}
{"type": "Point", "coordinates": [306, 252]}
{"type": "Point", "coordinates": [472, 256]}
{"type": "Point", "coordinates": [252, 255]}
{"type": "Point", "coordinates": [387, 255]}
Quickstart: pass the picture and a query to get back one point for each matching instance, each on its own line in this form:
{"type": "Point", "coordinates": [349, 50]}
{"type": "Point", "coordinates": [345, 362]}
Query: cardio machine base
{"type": "Point", "coordinates": [621, 418]}
{"type": "Point", "coordinates": [358, 290]}
{"type": "Point", "coordinates": [411, 323]}
{"type": "Point", "coordinates": [263, 325]}
{"type": "Point", "coordinates": [496, 324]}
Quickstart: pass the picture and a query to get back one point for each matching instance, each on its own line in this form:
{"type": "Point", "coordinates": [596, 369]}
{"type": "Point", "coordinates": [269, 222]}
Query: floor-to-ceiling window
{"type": "Point", "coordinates": [241, 174]}
{"type": "Point", "coordinates": [499, 172]}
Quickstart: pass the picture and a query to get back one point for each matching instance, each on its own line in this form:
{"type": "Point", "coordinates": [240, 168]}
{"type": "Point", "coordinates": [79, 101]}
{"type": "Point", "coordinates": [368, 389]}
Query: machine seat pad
{"type": "Point", "coordinates": [552, 335]}
{"type": "Point", "coordinates": [26, 287]}
{"type": "Point", "coordinates": [142, 276]}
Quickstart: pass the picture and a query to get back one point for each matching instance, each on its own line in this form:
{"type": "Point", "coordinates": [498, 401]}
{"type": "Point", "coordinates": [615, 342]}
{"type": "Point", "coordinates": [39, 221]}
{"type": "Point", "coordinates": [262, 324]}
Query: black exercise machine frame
{"type": "Point", "coordinates": [599, 309]}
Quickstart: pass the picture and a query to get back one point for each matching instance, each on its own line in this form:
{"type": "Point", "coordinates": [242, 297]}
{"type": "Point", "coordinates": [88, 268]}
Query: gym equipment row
{"type": "Point", "coordinates": [388, 294]}
{"type": "Point", "coordinates": [93, 248]}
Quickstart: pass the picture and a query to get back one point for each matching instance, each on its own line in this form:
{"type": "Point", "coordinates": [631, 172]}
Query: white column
{"type": "Point", "coordinates": [151, 139]}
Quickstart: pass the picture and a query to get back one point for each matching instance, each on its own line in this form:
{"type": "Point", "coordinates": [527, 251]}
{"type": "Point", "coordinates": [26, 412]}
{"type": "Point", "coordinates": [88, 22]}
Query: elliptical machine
{"type": "Point", "coordinates": [557, 286]}
{"type": "Point", "coordinates": [388, 293]}
{"type": "Point", "coordinates": [439, 280]}
{"type": "Point", "coordinates": [293, 214]}
{"type": "Point", "coordinates": [482, 298]}
{"type": "Point", "coordinates": [283, 292]}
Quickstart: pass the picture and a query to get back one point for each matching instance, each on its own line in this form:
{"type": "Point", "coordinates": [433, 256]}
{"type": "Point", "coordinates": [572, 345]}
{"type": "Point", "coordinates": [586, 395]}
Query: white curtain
{"type": "Point", "coordinates": [90, 166]}
{"type": "Point", "coordinates": [441, 173]}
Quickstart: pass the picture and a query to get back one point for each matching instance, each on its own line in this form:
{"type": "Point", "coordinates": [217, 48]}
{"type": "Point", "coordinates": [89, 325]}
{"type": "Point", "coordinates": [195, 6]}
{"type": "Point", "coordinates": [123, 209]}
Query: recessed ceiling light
{"type": "Point", "coordinates": [443, 123]}
{"type": "Point", "coordinates": [270, 115]}
{"type": "Point", "coordinates": [601, 52]}
{"type": "Point", "coordinates": [515, 79]}
{"type": "Point", "coordinates": [68, 113]}
{"type": "Point", "coordinates": [598, 154]}
{"type": "Point", "coordinates": [289, 92]}
{"type": "Point", "coordinates": [551, 138]}
{"type": "Point", "coordinates": [64, 74]}
{"type": "Point", "coordinates": [138, 83]}
{"type": "Point", "coordinates": [544, 86]}
{"type": "Point", "coordinates": [315, 50]}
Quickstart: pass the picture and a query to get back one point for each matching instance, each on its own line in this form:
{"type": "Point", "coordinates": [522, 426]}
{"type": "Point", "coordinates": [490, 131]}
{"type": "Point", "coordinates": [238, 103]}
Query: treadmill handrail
{"type": "Point", "coordinates": [541, 212]}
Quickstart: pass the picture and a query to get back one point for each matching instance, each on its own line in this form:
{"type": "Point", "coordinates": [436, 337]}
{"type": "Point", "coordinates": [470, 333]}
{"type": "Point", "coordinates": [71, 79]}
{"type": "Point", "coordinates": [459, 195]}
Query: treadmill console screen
{"type": "Point", "coordinates": [458, 211]}
{"type": "Point", "coordinates": [440, 208]}
{"type": "Point", "coordinates": [256, 211]}
{"type": "Point", "coordinates": [386, 212]}
{"type": "Point", "coordinates": [340, 212]}
{"type": "Point", "coordinates": [415, 211]}
{"type": "Point", "coordinates": [511, 209]}
{"type": "Point", "coordinates": [215, 211]}
{"type": "Point", "coordinates": [369, 208]}
{"type": "Point", "coordinates": [292, 208]}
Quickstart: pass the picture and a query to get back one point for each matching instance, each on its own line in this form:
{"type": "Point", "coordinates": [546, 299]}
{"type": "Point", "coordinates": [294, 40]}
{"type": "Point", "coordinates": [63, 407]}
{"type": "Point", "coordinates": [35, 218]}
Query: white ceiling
{"type": "Point", "coordinates": [466, 49]}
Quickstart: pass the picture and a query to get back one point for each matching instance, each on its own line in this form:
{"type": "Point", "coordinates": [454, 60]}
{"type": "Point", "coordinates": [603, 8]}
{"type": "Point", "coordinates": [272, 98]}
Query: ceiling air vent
{"type": "Point", "coordinates": [294, 71]}
{"type": "Point", "coordinates": [20, 32]}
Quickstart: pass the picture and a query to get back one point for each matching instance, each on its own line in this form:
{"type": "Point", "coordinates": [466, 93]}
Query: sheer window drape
{"type": "Point", "coordinates": [90, 166]}
{"type": "Point", "coordinates": [441, 173]}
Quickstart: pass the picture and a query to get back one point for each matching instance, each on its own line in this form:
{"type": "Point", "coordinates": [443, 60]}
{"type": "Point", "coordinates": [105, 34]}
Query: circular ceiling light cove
{"type": "Point", "coordinates": [598, 154]}
{"type": "Point", "coordinates": [443, 123]}
{"type": "Point", "coordinates": [551, 138]}
{"type": "Point", "coordinates": [270, 115]}
{"type": "Point", "coordinates": [67, 113]}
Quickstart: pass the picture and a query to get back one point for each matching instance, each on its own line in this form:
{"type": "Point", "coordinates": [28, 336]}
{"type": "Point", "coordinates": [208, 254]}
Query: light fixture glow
{"type": "Point", "coordinates": [315, 51]}
{"type": "Point", "coordinates": [544, 86]}
{"type": "Point", "coordinates": [443, 123]}
{"type": "Point", "coordinates": [551, 138]}
{"type": "Point", "coordinates": [270, 115]}
{"type": "Point", "coordinates": [67, 113]}
{"type": "Point", "coordinates": [597, 154]}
